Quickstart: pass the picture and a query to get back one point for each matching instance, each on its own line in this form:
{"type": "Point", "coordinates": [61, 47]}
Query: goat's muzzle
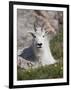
{"type": "Point", "coordinates": [39, 45]}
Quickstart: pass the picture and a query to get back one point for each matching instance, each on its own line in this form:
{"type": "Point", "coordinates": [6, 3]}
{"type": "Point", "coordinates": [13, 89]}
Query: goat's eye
{"type": "Point", "coordinates": [34, 36]}
{"type": "Point", "coordinates": [43, 36]}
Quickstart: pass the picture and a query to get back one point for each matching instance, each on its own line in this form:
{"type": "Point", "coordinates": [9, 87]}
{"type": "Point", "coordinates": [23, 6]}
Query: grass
{"type": "Point", "coordinates": [50, 71]}
{"type": "Point", "coordinates": [43, 72]}
{"type": "Point", "coordinates": [56, 45]}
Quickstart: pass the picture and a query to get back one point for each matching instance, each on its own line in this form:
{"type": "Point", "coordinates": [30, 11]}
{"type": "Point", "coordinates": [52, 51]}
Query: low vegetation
{"type": "Point", "coordinates": [46, 72]}
{"type": "Point", "coordinates": [56, 45]}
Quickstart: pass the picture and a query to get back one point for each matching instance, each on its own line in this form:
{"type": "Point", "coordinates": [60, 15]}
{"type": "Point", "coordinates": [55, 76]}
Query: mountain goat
{"type": "Point", "coordinates": [41, 47]}
{"type": "Point", "coordinates": [41, 41]}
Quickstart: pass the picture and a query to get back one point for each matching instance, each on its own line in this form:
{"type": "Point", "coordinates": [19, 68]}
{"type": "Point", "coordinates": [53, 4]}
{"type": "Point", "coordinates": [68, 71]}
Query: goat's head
{"type": "Point", "coordinates": [39, 37]}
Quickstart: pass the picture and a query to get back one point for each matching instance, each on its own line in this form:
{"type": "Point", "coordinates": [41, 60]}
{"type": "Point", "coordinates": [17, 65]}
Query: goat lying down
{"type": "Point", "coordinates": [41, 47]}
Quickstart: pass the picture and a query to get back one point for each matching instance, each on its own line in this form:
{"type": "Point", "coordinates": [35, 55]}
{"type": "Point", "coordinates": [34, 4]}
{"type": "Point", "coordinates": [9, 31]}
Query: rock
{"type": "Point", "coordinates": [25, 64]}
{"type": "Point", "coordinates": [55, 24]}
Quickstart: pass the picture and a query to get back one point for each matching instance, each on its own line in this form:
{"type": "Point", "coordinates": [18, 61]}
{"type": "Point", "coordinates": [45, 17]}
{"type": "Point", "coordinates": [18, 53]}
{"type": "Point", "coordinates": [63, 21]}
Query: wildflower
{"type": "Point", "coordinates": [55, 65]}
{"type": "Point", "coordinates": [61, 68]}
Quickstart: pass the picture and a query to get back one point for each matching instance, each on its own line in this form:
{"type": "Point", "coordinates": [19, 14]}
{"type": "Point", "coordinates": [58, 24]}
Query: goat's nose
{"type": "Point", "coordinates": [39, 44]}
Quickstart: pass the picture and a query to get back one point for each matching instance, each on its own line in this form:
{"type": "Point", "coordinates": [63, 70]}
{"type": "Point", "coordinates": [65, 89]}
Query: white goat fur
{"type": "Point", "coordinates": [43, 54]}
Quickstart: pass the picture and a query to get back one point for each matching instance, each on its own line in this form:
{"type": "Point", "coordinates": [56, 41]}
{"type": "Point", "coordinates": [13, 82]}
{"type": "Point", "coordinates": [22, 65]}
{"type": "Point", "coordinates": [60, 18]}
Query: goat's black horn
{"type": "Point", "coordinates": [34, 27]}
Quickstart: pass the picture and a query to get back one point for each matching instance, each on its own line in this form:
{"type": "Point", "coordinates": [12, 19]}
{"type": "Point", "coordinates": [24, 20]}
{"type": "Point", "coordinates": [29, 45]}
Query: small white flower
{"type": "Point", "coordinates": [55, 65]}
{"type": "Point", "coordinates": [61, 68]}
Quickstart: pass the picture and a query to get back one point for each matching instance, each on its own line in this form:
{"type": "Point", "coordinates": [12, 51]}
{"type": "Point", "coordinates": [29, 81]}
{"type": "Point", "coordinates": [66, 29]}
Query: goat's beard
{"type": "Point", "coordinates": [38, 51]}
